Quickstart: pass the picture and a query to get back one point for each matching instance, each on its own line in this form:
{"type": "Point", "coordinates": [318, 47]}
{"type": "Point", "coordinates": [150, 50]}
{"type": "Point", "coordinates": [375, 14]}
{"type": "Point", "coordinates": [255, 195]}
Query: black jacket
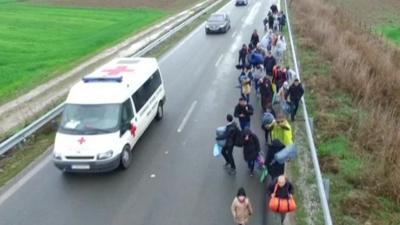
{"type": "Point", "coordinates": [269, 63]}
{"type": "Point", "coordinates": [281, 192]}
{"type": "Point", "coordinates": [255, 39]}
{"type": "Point", "coordinates": [242, 55]}
{"type": "Point", "coordinates": [266, 88]}
{"type": "Point", "coordinates": [295, 92]}
{"type": "Point", "coordinates": [230, 134]}
{"type": "Point", "coordinates": [275, 169]}
{"type": "Point", "coordinates": [251, 147]}
{"type": "Point", "coordinates": [247, 110]}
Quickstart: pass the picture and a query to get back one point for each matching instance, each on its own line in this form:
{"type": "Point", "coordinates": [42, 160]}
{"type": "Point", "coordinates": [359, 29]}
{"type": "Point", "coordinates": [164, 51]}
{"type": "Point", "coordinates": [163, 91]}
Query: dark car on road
{"type": "Point", "coordinates": [218, 23]}
{"type": "Point", "coordinates": [241, 2]}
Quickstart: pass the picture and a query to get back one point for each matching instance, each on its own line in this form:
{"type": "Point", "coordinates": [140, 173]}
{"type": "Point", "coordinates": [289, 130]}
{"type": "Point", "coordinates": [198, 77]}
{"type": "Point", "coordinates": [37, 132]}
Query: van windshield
{"type": "Point", "coordinates": [90, 119]}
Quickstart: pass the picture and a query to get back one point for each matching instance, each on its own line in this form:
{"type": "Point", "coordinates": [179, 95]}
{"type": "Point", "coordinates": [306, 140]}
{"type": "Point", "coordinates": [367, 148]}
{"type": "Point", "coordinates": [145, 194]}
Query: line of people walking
{"type": "Point", "coordinates": [278, 92]}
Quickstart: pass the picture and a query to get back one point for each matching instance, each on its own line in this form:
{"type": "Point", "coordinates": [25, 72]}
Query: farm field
{"type": "Point", "coordinates": [169, 5]}
{"type": "Point", "coordinates": [39, 41]}
{"type": "Point", "coordinates": [381, 15]}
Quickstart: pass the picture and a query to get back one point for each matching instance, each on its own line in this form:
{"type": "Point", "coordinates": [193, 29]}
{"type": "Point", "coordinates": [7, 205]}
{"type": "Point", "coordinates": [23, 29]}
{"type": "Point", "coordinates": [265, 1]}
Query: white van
{"type": "Point", "coordinates": [106, 113]}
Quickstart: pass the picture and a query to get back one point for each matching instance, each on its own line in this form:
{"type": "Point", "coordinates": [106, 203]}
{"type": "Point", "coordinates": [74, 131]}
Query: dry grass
{"type": "Point", "coordinates": [368, 69]}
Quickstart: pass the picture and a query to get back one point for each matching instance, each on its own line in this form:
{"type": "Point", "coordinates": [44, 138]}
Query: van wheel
{"type": "Point", "coordinates": [126, 158]}
{"type": "Point", "coordinates": [160, 112]}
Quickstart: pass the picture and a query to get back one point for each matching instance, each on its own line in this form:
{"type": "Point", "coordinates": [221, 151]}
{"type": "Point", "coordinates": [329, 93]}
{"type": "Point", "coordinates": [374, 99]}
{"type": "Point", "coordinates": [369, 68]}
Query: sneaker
{"type": "Point", "coordinates": [226, 166]}
{"type": "Point", "coordinates": [232, 172]}
{"type": "Point", "coordinates": [251, 174]}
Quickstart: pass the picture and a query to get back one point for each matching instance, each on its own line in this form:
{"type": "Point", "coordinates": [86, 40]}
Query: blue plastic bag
{"type": "Point", "coordinates": [286, 154]}
{"type": "Point", "coordinates": [217, 150]}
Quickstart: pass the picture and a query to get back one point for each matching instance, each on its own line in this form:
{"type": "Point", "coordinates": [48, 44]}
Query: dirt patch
{"type": "Point", "coordinates": [359, 203]}
{"type": "Point", "coordinates": [329, 164]}
{"type": "Point", "coordinates": [170, 5]}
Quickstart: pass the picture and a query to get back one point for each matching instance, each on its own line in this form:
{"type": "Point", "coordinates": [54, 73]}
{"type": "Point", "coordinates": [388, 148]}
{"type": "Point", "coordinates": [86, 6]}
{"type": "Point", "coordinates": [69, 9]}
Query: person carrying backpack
{"type": "Point", "coordinates": [243, 111]}
{"type": "Point", "coordinates": [231, 134]}
{"type": "Point", "coordinates": [241, 208]}
{"type": "Point", "coordinates": [251, 149]}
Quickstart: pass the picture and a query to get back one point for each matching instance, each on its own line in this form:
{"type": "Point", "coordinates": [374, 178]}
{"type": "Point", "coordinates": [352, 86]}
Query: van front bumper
{"type": "Point", "coordinates": [97, 166]}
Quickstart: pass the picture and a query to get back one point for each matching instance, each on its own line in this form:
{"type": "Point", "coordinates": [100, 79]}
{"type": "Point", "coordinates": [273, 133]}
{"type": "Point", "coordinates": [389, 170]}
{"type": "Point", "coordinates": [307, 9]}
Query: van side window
{"type": "Point", "coordinates": [144, 93]}
{"type": "Point", "coordinates": [126, 112]}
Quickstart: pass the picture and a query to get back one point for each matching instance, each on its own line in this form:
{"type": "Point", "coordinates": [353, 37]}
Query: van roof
{"type": "Point", "coordinates": [113, 82]}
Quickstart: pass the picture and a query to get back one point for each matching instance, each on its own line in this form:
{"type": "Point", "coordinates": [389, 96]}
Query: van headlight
{"type": "Point", "coordinates": [105, 155]}
{"type": "Point", "coordinates": [57, 155]}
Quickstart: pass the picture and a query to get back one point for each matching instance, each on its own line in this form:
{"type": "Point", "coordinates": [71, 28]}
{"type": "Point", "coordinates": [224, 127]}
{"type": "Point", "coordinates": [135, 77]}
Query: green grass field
{"type": "Point", "coordinates": [39, 42]}
{"type": "Point", "coordinates": [391, 32]}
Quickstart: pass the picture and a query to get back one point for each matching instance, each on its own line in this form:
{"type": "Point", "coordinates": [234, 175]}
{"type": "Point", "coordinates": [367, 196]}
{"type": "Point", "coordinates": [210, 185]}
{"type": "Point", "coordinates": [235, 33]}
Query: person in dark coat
{"type": "Point", "coordinates": [254, 38]}
{"type": "Point", "coordinates": [231, 133]}
{"type": "Point", "coordinates": [269, 63]}
{"type": "Point", "coordinates": [284, 189]}
{"type": "Point", "coordinates": [294, 95]}
{"type": "Point", "coordinates": [275, 169]}
{"type": "Point", "coordinates": [282, 21]}
{"type": "Point", "coordinates": [251, 148]}
{"type": "Point", "coordinates": [243, 55]}
{"type": "Point", "coordinates": [266, 93]}
{"type": "Point", "coordinates": [243, 111]}
{"type": "Point", "coordinates": [270, 20]}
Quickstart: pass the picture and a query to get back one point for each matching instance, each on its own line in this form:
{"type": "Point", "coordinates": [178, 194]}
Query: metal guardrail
{"type": "Point", "coordinates": [29, 130]}
{"type": "Point", "coordinates": [20, 136]}
{"type": "Point", "coordinates": [321, 189]}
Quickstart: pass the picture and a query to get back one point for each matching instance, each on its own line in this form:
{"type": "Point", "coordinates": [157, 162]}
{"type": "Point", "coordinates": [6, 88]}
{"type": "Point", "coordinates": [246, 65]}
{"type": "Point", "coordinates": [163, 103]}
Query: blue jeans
{"type": "Point", "coordinates": [294, 105]}
{"type": "Point", "coordinates": [244, 124]}
{"type": "Point", "coordinates": [250, 164]}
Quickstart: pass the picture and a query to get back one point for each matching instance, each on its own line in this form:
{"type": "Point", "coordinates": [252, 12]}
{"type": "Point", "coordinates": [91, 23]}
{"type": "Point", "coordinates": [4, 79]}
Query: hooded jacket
{"type": "Point", "coordinates": [251, 147]}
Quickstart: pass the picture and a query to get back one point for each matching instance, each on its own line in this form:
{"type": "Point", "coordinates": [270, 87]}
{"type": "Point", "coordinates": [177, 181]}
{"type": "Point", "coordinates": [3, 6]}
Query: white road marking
{"type": "Point", "coordinates": [15, 187]}
{"type": "Point", "coordinates": [234, 34]}
{"type": "Point", "coordinates": [252, 15]}
{"type": "Point", "coordinates": [186, 118]}
{"type": "Point", "coordinates": [219, 60]}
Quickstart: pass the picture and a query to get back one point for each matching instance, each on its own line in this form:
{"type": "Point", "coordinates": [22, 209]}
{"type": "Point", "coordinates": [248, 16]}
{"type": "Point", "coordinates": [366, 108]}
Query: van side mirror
{"type": "Point", "coordinates": [125, 127]}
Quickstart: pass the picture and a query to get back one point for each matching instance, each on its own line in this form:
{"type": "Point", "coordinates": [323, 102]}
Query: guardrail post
{"type": "Point", "coordinates": [327, 188]}
{"type": "Point", "coordinates": [311, 121]}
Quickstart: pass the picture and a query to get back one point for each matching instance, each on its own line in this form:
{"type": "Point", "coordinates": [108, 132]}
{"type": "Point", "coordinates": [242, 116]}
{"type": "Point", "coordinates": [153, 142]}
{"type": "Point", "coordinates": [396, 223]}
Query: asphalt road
{"type": "Point", "coordinates": [190, 186]}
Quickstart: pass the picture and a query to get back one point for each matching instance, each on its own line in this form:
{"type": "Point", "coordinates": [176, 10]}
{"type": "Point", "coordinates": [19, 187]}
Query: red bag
{"type": "Point", "coordinates": [282, 205]}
